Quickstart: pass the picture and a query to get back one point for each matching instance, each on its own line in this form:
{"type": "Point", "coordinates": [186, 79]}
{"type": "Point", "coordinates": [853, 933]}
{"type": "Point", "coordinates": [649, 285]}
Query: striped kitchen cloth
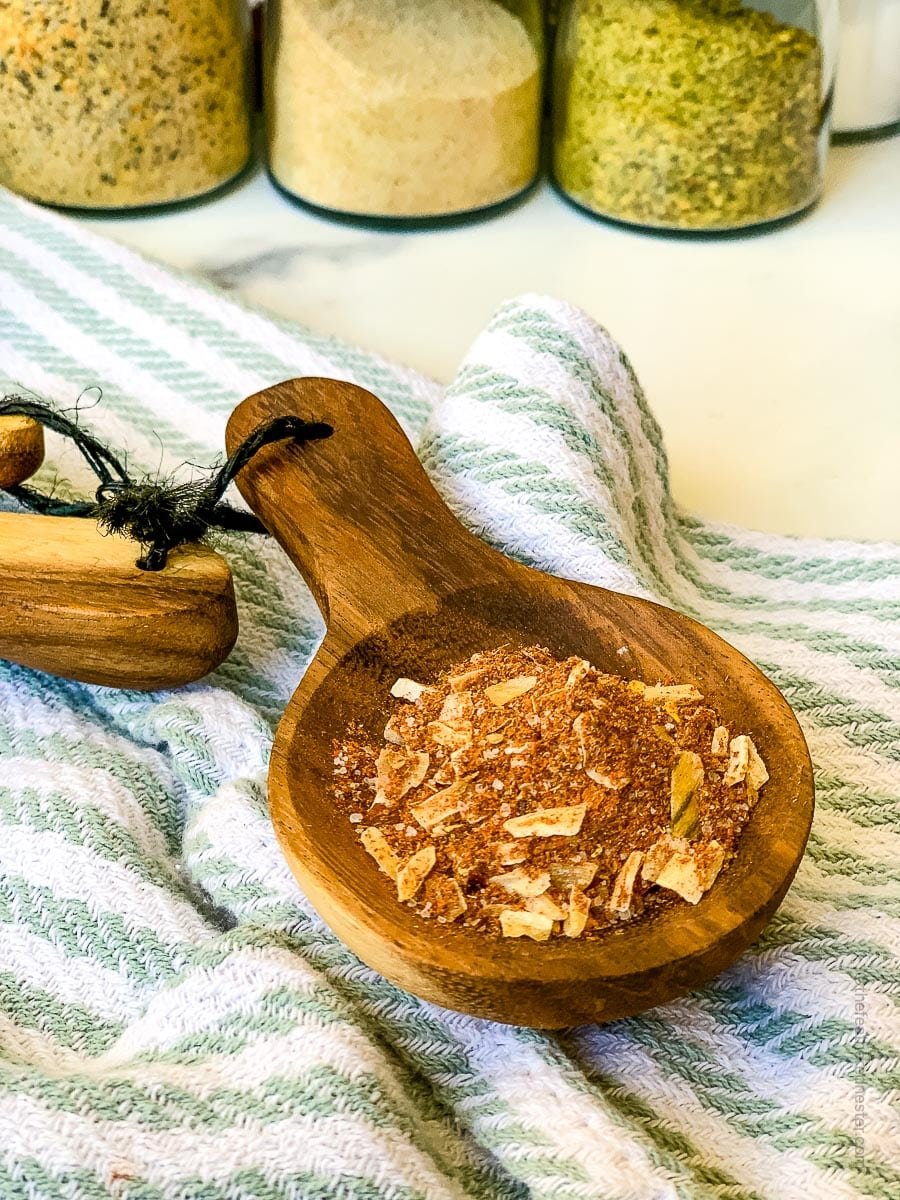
{"type": "Point", "coordinates": [176, 1022]}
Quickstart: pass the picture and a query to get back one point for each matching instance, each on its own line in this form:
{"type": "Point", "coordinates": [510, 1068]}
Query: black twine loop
{"type": "Point", "coordinates": [158, 514]}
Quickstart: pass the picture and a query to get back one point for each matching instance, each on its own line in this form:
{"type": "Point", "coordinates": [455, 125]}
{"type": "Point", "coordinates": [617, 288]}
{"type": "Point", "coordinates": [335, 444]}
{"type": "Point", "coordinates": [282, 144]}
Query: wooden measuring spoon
{"type": "Point", "coordinates": [21, 449]}
{"type": "Point", "coordinates": [406, 590]}
{"type": "Point", "coordinates": [73, 602]}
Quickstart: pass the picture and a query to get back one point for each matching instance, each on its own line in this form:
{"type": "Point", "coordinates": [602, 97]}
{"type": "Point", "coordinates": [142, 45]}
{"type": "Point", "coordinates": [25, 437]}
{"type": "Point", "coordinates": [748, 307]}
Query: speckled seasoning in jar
{"type": "Point", "coordinates": [693, 115]}
{"type": "Point", "coordinates": [122, 103]}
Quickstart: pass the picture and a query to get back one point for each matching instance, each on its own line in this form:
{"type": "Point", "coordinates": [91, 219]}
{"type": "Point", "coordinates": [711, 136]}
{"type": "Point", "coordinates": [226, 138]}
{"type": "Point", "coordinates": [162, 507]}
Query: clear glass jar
{"type": "Point", "coordinates": [403, 110]}
{"type": "Point", "coordinates": [693, 115]}
{"type": "Point", "coordinates": [867, 93]}
{"type": "Point", "coordinates": [121, 104]}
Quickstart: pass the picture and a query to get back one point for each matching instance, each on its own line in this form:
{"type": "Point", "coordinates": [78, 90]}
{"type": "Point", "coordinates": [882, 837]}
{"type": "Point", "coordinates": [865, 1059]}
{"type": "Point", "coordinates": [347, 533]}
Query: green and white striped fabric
{"type": "Point", "coordinates": [176, 1022]}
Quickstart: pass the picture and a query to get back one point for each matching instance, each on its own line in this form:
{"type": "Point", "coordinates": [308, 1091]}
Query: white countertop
{"type": "Point", "coordinates": [772, 362]}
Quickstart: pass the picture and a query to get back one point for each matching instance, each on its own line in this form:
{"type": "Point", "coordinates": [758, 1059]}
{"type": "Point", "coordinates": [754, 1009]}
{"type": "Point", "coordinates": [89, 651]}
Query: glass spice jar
{"type": "Point", "coordinates": [693, 115]}
{"type": "Point", "coordinates": [867, 92]}
{"type": "Point", "coordinates": [404, 111]}
{"type": "Point", "coordinates": [121, 104]}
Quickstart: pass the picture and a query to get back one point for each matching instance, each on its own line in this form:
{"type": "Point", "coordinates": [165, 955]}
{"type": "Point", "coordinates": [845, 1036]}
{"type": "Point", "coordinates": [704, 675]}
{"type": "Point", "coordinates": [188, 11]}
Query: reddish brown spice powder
{"type": "Point", "coordinates": [524, 796]}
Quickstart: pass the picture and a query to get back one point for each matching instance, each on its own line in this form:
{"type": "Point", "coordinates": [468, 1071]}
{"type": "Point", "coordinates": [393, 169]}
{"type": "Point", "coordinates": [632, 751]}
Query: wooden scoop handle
{"type": "Point", "coordinates": [355, 512]}
{"type": "Point", "coordinates": [21, 449]}
{"type": "Point", "coordinates": [73, 602]}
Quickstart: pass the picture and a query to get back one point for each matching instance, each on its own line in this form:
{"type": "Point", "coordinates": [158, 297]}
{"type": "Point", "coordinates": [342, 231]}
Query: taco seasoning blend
{"type": "Point", "coordinates": [527, 797]}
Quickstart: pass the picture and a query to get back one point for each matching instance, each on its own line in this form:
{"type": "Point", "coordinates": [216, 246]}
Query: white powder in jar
{"type": "Point", "coordinates": [867, 93]}
{"type": "Point", "coordinates": [403, 108]}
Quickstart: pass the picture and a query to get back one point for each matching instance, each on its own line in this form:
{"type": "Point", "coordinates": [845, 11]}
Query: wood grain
{"type": "Point", "coordinates": [406, 590]}
{"type": "Point", "coordinates": [73, 602]}
{"type": "Point", "coordinates": [21, 449]}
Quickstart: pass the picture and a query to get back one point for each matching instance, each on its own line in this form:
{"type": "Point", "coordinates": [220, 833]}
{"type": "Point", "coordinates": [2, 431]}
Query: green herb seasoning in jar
{"type": "Point", "coordinates": [403, 110]}
{"type": "Point", "coordinates": [109, 104]}
{"type": "Point", "coordinates": [693, 114]}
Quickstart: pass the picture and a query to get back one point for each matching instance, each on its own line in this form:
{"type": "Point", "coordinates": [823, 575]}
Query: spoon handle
{"type": "Point", "coordinates": [21, 449]}
{"type": "Point", "coordinates": [356, 512]}
{"type": "Point", "coordinates": [73, 602]}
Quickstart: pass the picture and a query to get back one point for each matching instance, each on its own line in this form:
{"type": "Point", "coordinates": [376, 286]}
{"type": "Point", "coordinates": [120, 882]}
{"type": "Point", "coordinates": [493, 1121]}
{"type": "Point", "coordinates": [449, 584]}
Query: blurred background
{"type": "Point", "coordinates": [716, 181]}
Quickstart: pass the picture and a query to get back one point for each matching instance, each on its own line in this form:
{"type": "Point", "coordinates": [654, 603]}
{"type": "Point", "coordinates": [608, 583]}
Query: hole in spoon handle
{"type": "Point", "coordinates": [355, 512]}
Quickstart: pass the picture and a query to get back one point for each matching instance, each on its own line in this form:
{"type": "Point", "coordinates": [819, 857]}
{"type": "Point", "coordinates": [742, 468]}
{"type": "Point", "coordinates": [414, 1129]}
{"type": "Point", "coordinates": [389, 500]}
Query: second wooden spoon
{"type": "Point", "coordinates": [21, 449]}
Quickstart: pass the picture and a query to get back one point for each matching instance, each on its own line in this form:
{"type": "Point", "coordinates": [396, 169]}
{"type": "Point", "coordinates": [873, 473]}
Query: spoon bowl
{"type": "Point", "coordinates": [406, 590]}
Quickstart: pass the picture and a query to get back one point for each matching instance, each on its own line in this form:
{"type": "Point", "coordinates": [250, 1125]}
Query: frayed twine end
{"type": "Point", "coordinates": [157, 514]}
